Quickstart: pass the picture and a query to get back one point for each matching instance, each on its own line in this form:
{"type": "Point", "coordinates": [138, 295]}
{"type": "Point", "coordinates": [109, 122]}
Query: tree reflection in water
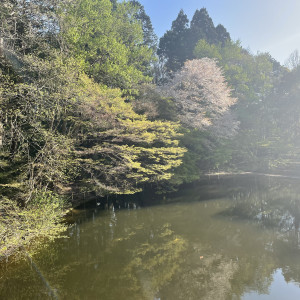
{"type": "Point", "coordinates": [226, 245]}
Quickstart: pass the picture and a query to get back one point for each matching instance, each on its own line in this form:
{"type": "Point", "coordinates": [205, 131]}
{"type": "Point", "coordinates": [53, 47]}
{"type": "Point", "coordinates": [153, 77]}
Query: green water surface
{"type": "Point", "coordinates": [230, 238]}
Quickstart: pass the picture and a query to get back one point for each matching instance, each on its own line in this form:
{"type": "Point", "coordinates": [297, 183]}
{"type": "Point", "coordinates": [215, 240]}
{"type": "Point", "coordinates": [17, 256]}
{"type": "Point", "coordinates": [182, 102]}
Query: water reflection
{"type": "Point", "coordinates": [241, 240]}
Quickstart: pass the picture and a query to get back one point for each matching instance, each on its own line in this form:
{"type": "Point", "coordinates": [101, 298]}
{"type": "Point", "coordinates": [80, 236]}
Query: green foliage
{"type": "Point", "coordinates": [150, 102]}
{"type": "Point", "coordinates": [173, 45]}
{"type": "Point", "coordinates": [266, 108]}
{"type": "Point", "coordinates": [249, 76]}
{"type": "Point", "coordinates": [204, 49]}
{"type": "Point", "coordinates": [60, 126]}
{"type": "Point", "coordinates": [150, 38]}
{"type": "Point", "coordinates": [65, 124]}
{"type": "Point", "coordinates": [41, 220]}
{"type": "Point", "coordinates": [202, 27]}
{"type": "Point", "coordinates": [191, 168]}
{"type": "Point", "coordinates": [33, 120]}
{"type": "Point", "coordinates": [118, 149]}
{"type": "Point", "coordinates": [178, 44]}
{"type": "Point", "coordinates": [205, 153]}
{"type": "Point", "coordinates": [108, 41]}
{"type": "Point", "coordinates": [222, 34]}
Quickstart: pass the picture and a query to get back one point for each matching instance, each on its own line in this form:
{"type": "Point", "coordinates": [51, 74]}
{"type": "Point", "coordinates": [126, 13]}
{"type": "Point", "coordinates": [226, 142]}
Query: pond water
{"type": "Point", "coordinates": [229, 238]}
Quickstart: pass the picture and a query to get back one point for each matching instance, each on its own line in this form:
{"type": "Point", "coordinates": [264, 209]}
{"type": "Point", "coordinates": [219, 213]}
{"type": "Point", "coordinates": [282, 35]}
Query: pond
{"type": "Point", "coordinates": [224, 238]}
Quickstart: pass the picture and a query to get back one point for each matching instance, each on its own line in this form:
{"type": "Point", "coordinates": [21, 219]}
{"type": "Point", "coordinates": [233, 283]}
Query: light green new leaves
{"type": "Point", "coordinates": [120, 149]}
{"type": "Point", "coordinates": [109, 42]}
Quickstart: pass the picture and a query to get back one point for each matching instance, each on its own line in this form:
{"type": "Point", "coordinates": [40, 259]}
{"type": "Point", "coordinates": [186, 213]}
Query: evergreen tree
{"type": "Point", "coordinates": [178, 44]}
{"type": "Point", "coordinates": [202, 27]}
{"type": "Point", "coordinates": [172, 46]}
{"type": "Point", "coordinates": [222, 34]}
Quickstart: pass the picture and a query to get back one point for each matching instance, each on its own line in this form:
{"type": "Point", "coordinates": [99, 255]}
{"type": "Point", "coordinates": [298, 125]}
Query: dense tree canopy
{"type": "Point", "coordinates": [110, 42]}
{"type": "Point", "coordinates": [63, 127]}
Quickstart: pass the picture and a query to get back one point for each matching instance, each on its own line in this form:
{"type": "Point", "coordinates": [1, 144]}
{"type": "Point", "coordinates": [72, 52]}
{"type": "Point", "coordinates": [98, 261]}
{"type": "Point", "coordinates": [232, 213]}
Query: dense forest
{"type": "Point", "coordinates": [92, 103]}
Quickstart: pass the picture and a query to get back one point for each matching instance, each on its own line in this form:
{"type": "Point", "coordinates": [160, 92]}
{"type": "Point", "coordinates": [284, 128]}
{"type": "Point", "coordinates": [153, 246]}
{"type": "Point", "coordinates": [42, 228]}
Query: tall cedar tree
{"type": "Point", "coordinates": [178, 44]}
{"type": "Point", "coordinates": [222, 34]}
{"type": "Point", "coordinates": [172, 46]}
{"type": "Point", "coordinates": [202, 27]}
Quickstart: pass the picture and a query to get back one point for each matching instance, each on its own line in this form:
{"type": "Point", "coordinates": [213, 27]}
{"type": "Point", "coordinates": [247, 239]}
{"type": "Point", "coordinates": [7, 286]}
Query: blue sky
{"type": "Point", "coordinates": [262, 25]}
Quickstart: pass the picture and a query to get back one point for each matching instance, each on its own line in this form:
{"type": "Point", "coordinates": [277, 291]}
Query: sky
{"type": "Point", "coordinates": [262, 25]}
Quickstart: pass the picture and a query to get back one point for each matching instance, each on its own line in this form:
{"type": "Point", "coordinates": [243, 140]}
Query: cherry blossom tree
{"type": "Point", "coordinates": [200, 93]}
